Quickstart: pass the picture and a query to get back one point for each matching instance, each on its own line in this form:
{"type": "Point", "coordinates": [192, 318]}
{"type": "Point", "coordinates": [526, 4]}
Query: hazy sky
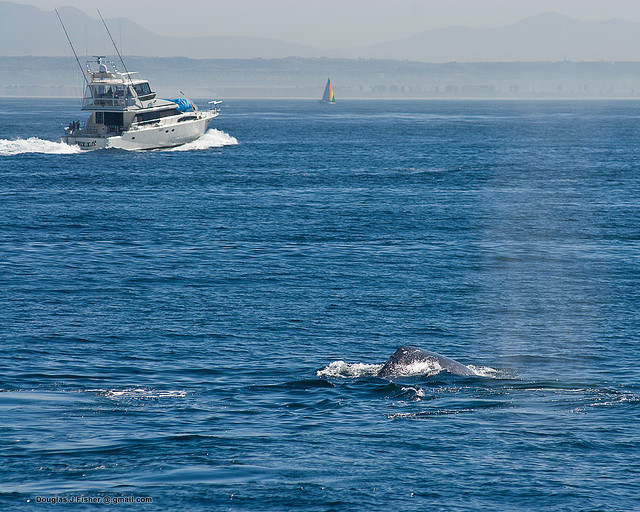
{"type": "Point", "coordinates": [336, 23]}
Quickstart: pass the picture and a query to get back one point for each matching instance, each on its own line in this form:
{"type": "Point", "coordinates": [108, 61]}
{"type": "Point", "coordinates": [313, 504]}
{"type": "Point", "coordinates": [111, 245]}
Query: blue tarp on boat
{"type": "Point", "coordinates": [183, 104]}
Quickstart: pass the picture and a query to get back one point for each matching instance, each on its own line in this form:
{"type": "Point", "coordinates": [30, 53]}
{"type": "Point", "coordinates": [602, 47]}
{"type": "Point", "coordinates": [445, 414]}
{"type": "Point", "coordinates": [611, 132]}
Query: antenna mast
{"type": "Point", "coordinates": [72, 48]}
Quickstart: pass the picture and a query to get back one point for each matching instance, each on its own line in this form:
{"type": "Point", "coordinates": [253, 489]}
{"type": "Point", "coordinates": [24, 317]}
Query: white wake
{"type": "Point", "coordinates": [10, 147]}
{"type": "Point", "coordinates": [212, 138]}
{"type": "Point", "coordinates": [140, 393]}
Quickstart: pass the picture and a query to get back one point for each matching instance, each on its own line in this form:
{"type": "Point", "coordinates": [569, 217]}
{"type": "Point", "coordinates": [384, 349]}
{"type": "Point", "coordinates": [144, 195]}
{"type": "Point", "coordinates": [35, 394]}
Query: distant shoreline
{"type": "Point", "coordinates": [304, 78]}
{"type": "Point", "coordinates": [355, 100]}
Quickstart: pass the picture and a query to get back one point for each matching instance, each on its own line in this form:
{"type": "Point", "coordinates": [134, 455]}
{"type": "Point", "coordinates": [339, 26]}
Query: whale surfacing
{"type": "Point", "coordinates": [408, 361]}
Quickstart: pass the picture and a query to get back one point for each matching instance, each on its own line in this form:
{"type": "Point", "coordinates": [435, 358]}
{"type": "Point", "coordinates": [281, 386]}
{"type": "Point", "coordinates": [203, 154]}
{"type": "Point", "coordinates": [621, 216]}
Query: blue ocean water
{"type": "Point", "coordinates": [202, 328]}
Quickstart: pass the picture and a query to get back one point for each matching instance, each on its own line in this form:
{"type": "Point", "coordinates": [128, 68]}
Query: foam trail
{"type": "Point", "coordinates": [35, 145]}
{"type": "Point", "coordinates": [141, 393]}
{"type": "Point", "coordinates": [212, 138]}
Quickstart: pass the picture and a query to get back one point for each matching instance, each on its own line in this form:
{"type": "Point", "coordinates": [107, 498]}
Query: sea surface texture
{"type": "Point", "coordinates": [202, 329]}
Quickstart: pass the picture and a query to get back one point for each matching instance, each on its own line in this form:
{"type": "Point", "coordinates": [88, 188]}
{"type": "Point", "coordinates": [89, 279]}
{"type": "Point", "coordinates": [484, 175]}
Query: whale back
{"type": "Point", "coordinates": [408, 361]}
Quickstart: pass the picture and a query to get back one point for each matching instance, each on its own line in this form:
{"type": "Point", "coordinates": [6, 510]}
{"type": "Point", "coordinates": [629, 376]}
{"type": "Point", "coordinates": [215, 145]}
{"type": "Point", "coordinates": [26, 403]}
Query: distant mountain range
{"type": "Point", "coordinates": [27, 30]}
{"type": "Point", "coordinates": [547, 37]}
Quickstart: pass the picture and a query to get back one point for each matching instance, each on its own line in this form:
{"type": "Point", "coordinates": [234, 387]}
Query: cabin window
{"type": "Point", "coordinates": [143, 90]}
{"type": "Point", "coordinates": [99, 117]}
{"type": "Point", "coordinates": [147, 117]}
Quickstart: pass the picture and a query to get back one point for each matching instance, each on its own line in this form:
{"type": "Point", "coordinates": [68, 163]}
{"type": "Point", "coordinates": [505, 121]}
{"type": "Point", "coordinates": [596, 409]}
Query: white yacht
{"type": "Point", "coordinates": [126, 114]}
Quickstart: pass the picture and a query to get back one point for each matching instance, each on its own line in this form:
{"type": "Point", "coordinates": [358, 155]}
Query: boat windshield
{"type": "Point", "coordinates": [143, 90]}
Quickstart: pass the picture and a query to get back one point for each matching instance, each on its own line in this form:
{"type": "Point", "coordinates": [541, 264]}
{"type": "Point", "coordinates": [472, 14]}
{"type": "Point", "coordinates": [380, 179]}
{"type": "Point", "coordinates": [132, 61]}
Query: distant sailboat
{"type": "Point", "coordinates": [328, 96]}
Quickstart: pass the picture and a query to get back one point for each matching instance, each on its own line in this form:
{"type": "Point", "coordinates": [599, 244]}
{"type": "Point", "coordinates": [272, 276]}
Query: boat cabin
{"type": "Point", "coordinates": [110, 89]}
{"type": "Point", "coordinates": [114, 95]}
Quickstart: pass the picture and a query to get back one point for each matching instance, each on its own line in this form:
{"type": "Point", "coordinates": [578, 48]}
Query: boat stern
{"type": "Point", "coordinates": [85, 142]}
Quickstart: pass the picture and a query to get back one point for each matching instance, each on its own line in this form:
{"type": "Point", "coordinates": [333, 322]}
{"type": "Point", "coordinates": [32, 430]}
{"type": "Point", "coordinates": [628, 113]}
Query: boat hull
{"type": "Point", "coordinates": [156, 136]}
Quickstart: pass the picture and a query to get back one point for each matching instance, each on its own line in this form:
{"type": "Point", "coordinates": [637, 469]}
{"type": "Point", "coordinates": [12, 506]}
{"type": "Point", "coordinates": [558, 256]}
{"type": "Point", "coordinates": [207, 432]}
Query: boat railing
{"type": "Point", "coordinates": [90, 129]}
{"type": "Point", "coordinates": [108, 102]}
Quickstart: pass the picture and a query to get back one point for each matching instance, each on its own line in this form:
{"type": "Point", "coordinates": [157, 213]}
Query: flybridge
{"type": "Point", "coordinates": [109, 89]}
